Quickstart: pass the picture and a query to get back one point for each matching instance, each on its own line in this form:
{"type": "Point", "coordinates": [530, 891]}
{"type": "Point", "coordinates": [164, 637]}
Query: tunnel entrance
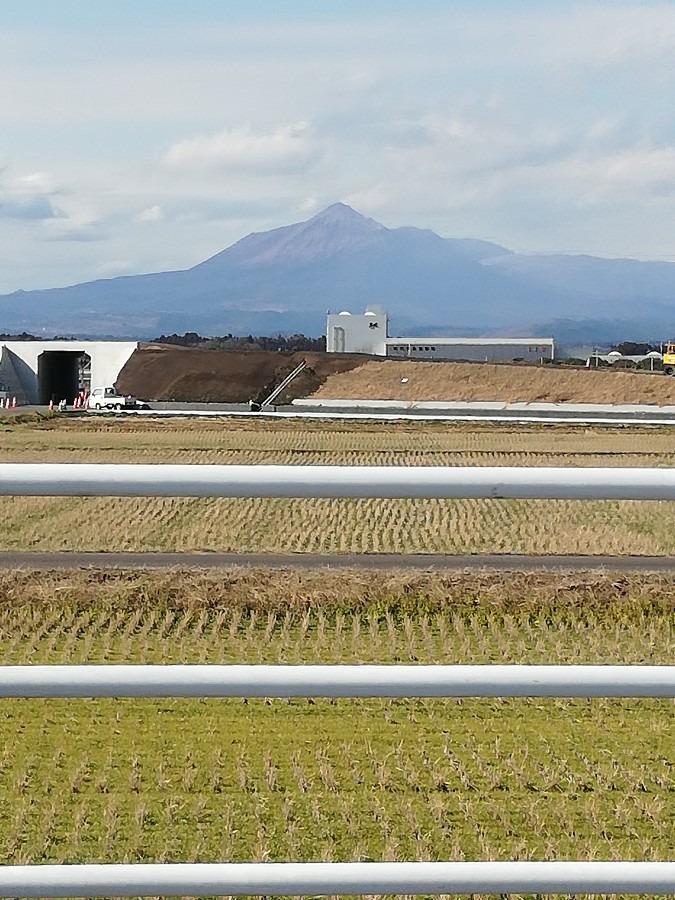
{"type": "Point", "coordinates": [59, 375]}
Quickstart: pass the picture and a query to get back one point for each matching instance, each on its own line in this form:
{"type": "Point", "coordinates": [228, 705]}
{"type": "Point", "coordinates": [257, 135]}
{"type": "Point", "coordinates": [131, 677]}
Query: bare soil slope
{"type": "Point", "coordinates": [167, 372]}
{"type": "Point", "coordinates": [385, 380]}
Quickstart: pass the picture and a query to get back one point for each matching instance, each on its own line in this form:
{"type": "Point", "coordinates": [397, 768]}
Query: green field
{"type": "Point", "coordinates": [335, 780]}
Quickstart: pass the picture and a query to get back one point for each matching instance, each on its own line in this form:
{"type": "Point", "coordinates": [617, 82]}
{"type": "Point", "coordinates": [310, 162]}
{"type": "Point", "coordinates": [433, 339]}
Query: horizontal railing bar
{"type": "Point", "coordinates": [122, 480]}
{"type": "Point", "coordinates": [336, 681]}
{"type": "Point", "coordinates": [295, 879]}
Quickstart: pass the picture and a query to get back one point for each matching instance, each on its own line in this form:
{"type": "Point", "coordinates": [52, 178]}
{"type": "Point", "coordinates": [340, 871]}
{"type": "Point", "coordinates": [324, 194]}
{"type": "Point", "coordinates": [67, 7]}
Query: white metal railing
{"type": "Point", "coordinates": [294, 879]}
{"type": "Point", "coordinates": [336, 681]}
{"type": "Point", "coordinates": [162, 480]}
{"type": "Point", "coordinates": [280, 388]}
{"type": "Point", "coordinates": [122, 880]}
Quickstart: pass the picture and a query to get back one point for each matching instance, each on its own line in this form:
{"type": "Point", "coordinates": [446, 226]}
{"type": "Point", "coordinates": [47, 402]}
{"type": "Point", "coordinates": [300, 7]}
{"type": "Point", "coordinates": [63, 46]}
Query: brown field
{"type": "Point", "coordinates": [506, 383]}
{"type": "Point", "coordinates": [406, 526]}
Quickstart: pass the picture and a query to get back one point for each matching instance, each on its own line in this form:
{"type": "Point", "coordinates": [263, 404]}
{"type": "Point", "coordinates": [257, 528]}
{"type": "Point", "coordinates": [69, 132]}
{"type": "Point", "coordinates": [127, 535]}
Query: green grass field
{"type": "Point", "coordinates": [335, 780]}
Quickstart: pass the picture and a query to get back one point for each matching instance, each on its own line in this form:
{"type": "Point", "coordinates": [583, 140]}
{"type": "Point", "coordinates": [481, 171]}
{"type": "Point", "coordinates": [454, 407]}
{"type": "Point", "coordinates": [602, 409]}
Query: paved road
{"type": "Point", "coordinates": [431, 562]}
{"type": "Point", "coordinates": [564, 414]}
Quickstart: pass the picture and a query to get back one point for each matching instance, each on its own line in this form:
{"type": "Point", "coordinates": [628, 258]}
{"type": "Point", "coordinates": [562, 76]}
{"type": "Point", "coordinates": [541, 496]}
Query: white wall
{"type": "Point", "coordinates": [107, 359]}
{"type": "Point", "coordinates": [357, 334]}
{"type": "Point", "coordinates": [531, 349]}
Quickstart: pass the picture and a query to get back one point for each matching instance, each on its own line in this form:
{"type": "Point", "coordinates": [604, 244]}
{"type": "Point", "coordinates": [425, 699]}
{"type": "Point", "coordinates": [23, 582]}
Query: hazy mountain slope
{"type": "Point", "coordinates": [590, 276]}
{"type": "Point", "coordinates": [286, 279]}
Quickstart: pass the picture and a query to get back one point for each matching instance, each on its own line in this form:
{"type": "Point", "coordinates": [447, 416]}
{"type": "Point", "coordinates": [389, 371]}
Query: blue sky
{"type": "Point", "coordinates": [148, 135]}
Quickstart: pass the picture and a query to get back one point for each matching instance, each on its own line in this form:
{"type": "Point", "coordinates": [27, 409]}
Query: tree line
{"type": "Point", "coordinates": [278, 342]}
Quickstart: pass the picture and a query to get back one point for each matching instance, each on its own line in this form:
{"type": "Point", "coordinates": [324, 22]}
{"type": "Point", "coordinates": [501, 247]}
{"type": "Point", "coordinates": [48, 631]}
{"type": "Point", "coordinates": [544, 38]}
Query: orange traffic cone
{"type": "Point", "coordinates": [51, 405]}
{"type": "Point", "coordinates": [13, 402]}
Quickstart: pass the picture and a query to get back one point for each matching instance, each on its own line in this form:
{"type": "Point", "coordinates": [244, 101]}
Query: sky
{"type": "Point", "coordinates": [147, 135]}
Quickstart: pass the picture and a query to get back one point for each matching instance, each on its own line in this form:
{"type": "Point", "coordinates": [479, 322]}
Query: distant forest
{"type": "Point", "coordinates": [24, 336]}
{"type": "Point", "coordinates": [277, 342]}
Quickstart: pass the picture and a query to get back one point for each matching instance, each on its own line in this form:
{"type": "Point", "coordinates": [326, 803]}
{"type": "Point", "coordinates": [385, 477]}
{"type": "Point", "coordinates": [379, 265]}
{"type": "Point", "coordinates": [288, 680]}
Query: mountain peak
{"type": "Point", "coordinates": [334, 229]}
{"type": "Point", "coordinates": [341, 213]}
{"type": "Point", "coordinates": [340, 217]}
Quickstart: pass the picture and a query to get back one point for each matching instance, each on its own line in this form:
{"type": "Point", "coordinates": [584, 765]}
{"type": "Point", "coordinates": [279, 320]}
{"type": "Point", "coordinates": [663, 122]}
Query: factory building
{"type": "Point", "coordinates": [369, 333]}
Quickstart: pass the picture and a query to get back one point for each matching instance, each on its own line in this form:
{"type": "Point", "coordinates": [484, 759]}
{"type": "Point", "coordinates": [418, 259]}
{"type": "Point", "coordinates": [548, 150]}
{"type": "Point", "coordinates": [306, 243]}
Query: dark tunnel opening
{"type": "Point", "coordinates": [58, 375]}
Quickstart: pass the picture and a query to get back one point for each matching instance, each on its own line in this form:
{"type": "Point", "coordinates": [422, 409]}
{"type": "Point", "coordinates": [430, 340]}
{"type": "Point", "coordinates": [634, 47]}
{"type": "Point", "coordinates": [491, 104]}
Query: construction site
{"type": "Point", "coordinates": [35, 372]}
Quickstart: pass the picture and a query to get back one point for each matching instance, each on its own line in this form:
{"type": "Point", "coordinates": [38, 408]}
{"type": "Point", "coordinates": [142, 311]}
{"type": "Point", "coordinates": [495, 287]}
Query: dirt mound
{"type": "Point", "coordinates": [411, 380]}
{"type": "Point", "coordinates": [167, 372]}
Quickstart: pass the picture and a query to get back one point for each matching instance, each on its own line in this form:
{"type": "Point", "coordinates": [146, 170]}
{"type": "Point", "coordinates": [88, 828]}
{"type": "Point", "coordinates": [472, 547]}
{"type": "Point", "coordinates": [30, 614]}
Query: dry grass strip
{"type": "Point", "coordinates": [350, 591]}
{"type": "Point", "coordinates": [490, 382]}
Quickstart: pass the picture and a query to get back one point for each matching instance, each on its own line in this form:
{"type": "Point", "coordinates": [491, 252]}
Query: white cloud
{"type": "Point", "coordinates": [32, 197]}
{"type": "Point", "coordinates": [74, 227]}
{"type": "Point", "coordinates": [643, 167]}
{"type": "Point", "coordinates": [634, 176]}
{"type": "Point", "coordinates": [27, 197]}
{"type": "Point", "coordinates": [308, 205]}
{"type": "Point", "coordinates": [35, 183]}
{"type": "Point", "coordinates": [287, 149]}
{"type": "Point", "coordinates": [114, 267]}
{"type": "Point", "coordinates": [151, 214]}
{"type": "Point", "coordinates": [27, 208]}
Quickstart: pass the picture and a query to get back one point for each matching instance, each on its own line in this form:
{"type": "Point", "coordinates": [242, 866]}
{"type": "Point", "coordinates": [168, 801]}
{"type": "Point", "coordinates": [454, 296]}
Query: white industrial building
{"type": "Point", "coordinates": [39, 371]}
{"type": "Point", "coordinates": [369, 333]}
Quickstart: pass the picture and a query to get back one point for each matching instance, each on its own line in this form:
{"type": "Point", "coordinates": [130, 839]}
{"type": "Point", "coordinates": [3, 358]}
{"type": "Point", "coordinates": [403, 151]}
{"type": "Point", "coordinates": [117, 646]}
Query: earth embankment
{"type": "Point", "coordinates": [418, 380]}
{"type": "Point", "coordinates": [167, 372]}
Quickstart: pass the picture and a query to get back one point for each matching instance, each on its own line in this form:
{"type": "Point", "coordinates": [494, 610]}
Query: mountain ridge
{"type": "Point", "coordinates": [285, 279]}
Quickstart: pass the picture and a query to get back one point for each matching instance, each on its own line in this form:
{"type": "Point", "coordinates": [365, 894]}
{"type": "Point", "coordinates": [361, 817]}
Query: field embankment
{"type": "Point", "coordinates": [411, 380]}
{"type": "Point", "coordinates": [136, 780]}
{"type": "Point", "coordinates": [167, 372]}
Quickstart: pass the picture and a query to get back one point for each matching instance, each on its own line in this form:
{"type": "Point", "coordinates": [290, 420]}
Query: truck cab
{"type": "Point", "coordinates": [108, 398]}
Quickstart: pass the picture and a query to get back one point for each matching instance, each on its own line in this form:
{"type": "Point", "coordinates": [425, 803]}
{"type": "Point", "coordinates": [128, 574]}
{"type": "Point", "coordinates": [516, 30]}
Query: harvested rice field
{"type": "Point", "coordinates": [319, 525]}
{"type": "Point", "coordinates": [201, 780]}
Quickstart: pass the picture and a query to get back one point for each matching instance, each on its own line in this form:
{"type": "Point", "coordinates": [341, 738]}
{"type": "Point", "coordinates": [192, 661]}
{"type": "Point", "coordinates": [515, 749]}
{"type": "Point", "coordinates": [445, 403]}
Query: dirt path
{"type": "Point", "coordinates": [383, 561]}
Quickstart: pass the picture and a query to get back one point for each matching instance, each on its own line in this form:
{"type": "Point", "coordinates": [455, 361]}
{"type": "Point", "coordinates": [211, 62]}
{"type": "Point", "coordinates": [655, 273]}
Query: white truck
{"type": "Point", "coordinates": [108, 398]}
